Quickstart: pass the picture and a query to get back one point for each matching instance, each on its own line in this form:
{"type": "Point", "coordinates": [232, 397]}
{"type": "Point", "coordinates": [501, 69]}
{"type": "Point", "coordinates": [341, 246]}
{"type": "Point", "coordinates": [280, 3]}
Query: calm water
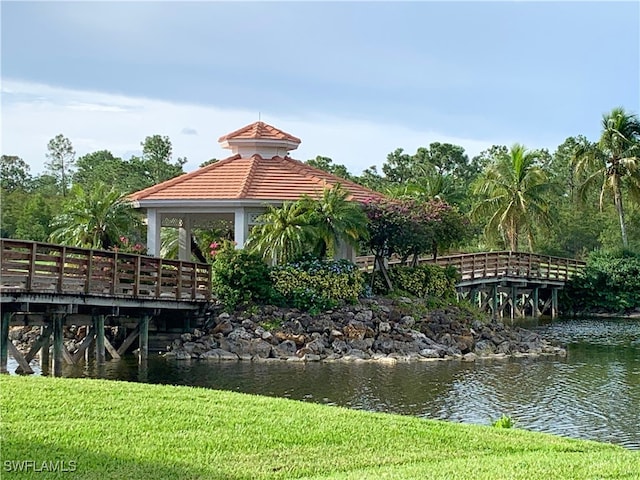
{"type": "Point", "coordinates": [593, 393]}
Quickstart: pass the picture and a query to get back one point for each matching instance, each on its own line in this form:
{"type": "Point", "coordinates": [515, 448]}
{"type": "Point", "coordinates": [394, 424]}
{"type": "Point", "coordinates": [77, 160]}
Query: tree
{"type": "Point", "coordinates": [612, 164]}
{"type": "Point", "coordinates": [513, 196]}
{"type": "Point", "coordinates": [156, 157]}
{"type": "Point", "coordinates": [326, 164]}
{"type": "Point", "coordinates": [62, 157]}
{"type": "Point", "coordinates": [283, 233]}
{"type": "Point", "coordinates": [14, 173]}
{"type": "Point", "coordinates": [336, 220]}
{"type": "Point", "coordinates": [95, 218]}
{"type": "Point", "coordinates": [101, 167]}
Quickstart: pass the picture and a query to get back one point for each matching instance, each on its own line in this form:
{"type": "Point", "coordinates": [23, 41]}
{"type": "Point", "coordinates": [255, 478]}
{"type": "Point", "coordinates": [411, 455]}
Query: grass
{"type": "Point", "coordinates": [117, 430]}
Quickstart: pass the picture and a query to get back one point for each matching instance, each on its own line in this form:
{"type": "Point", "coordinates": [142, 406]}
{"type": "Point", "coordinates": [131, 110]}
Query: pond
{"type": "Point", "coordinates": [593, 393]}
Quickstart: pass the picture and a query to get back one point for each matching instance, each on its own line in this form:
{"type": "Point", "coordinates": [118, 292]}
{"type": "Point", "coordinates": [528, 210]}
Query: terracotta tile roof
{"type": "Point", "coordinates": [253, 178]}
{"type": "Point", "coordinates": [259, 130]}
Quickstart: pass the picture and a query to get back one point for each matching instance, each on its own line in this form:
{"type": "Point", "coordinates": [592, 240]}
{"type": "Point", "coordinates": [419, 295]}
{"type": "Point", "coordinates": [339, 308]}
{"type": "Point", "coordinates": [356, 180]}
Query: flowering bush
{"type": "Point", "coordinates": [313, 283]}
{"type": "Point", "coordinates": [127, 246]}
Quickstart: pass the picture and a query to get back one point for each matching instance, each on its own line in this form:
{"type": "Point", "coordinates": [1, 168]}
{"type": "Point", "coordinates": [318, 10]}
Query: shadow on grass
{"type": "Point", "coordinates": [91, 465]}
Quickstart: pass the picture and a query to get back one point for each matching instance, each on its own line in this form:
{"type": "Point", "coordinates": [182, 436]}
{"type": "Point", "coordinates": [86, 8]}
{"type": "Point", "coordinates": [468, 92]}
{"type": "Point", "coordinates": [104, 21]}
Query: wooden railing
{"type": "Point", "coordinates": [35, 267]}
{"type": "Point", "coordinates": [479, 266]}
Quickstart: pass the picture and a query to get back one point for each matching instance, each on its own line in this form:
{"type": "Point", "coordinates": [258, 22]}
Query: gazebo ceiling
{"type": "Point", "coordinates": [254, 176]}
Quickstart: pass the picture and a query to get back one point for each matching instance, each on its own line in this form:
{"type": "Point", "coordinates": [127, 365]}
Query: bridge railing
{"type": "Point", "coordinates": [477, 266]}
{"type": "Point", "coordinates": [36, 267]}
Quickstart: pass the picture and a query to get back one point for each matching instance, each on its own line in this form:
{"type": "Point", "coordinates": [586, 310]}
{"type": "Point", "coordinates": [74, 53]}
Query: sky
{"type": "Point", "coordinates": [353, 80]}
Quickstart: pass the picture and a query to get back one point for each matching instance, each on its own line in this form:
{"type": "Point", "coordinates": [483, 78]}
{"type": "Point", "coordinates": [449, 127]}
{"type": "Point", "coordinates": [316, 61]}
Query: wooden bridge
{"type": "Point", "coordinates": [53, 286]}
{"type": "Point", "coordinates": [504, 283]}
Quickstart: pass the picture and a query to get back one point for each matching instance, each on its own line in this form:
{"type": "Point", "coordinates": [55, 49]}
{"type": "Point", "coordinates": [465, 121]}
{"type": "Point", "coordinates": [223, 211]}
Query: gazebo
{"type": "Point", "coordinates": [237, 189]}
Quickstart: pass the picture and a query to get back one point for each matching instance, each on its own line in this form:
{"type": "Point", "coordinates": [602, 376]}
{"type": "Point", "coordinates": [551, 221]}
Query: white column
{"type": "Point", "coordinates": [154, 222]}
{"type": "Point", "coordinates": [240, 227]}
{"type": "Point", "coordinates": [184, 239]}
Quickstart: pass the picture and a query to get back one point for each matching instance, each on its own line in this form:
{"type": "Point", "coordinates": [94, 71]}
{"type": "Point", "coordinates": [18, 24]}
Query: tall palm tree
{"type": "Point", "coordinates": [512, 196]}
{"type": "Point", "coordinates": [613, 163]}
{"type": "Point", "coordinates": [95, 218]}
{"type": "Point", "coordinates": [336, 219]}
{"type": "Point", "coordinates": [283, 233]}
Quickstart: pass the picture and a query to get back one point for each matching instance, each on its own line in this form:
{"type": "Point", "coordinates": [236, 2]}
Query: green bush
{"type": "Point", "coordinates": [239, 276]}
{"type": "Point", "coordinates": [610, 283]}
{"type": "Point", "coordinates": [317, 285]}
{"type": "Point", "coordinates": [422, 281]}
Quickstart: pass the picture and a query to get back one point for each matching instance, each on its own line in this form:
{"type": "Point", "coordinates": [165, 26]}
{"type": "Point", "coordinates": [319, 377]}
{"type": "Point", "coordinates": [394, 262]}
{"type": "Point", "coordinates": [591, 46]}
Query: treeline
{"type": "Point", "coordinates": [584, 196]}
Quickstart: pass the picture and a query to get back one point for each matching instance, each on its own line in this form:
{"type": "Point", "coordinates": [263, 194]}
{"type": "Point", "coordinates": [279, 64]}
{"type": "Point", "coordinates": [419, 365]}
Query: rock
{"type": "Point", "coordinates": [223, 328]}
{"type": "Point", "coordinates": [364, 344]}
{"type": "Point", "coordinates": [407, 321]}
{"type": "Point", "coordinates": [186, 337]}
{"type": "Point", "coordinates": [239, 333]}
{"type": "Point", "coordinates": [469, 357]}
{"type": "Point", "coordinates": [316, 347]}
{"type": "Point", "coordinates": [218, 354]}
{"type": "Point", "coordinates": [484, 348]}
{"type": "Point", "coordinates": [355, 330]}
{"type": "Point", "coordinates": [182, 355]}
{"type": "Point", "coordinates": [504, 347]}
{"type": "Point", "coordinates": [310, 357]}
{"type": "Point", "coordinates": [248, 324]}
{"type": "Point", "coordinates": [383, 345]}
{"type": "Point", "coordinates": [297, 339]}
{"type": "Point", "coordinates": [335, 334]}
{"type": "Point", "coordinates": [431, 353]}
{"type": "Point", "coordinates": [340, 347]}
{"type": "Point", "coordinates": [259, 348]}
{"type": "Point", "coordinates": [286, 348]}
{"type": "Point", "coordinates": [464, 342]}
{"type": "Point", "coordinates": [384, 327]}
{"type": "Point", "coordinates": [188, 347]}
{"type": "Point", "coordinates": [266, 336]}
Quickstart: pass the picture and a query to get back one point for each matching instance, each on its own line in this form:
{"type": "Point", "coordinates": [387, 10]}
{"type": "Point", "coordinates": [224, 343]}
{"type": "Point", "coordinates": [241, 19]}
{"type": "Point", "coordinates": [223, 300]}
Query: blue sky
{"type": "Point", "coordinates": [353, 80]}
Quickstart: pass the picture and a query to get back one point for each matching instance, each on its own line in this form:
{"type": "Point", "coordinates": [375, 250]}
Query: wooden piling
{"type": "Point", "coordinates": [4, 341]}
{"type": "Point", "coordinates": [99, 329]}
{"type": "Point", "coordinates": [143, 338]}
{"type": "Point", "coordinates": [58, 345]}
{"type": "Point", "coordinates": [536, 303]}
{"type": "Point", "coordinates": [554, 303]}
{"type": "Point", "coordinates": [45, 332]}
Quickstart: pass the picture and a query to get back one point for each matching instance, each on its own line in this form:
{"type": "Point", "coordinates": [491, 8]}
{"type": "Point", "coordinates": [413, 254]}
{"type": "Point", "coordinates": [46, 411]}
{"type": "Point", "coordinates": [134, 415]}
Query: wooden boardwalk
{"type": "Point", "coordinates": [514, 284]}
{"type": "Point", "coordinates": [53, 286]}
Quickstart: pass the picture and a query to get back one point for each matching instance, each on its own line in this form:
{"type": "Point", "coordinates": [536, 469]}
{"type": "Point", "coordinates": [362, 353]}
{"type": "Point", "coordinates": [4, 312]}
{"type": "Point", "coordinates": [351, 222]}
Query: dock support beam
{"type": "Point", "coordinates": [536, 303]}
{"type": "Point", "coordinates": [494, 302]}
{"type": "Point", "coordinates": [58, 344]}
{"type": "Point", "coordinates": [143, 339]}
{"type": "Point", "coordinates": [45, 332]}
{"type": "Point", "coordinates": [554, 303]}
{"type": "Point", "coordinates": [4, 341]}
{"type": "Point", "coordinates": [98, 323]}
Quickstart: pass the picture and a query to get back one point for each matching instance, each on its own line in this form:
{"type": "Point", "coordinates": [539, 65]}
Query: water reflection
{"type": "Point", "coordinates": [593, 393]}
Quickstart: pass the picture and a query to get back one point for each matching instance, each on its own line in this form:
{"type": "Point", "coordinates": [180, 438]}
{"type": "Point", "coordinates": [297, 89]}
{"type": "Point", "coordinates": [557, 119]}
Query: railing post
{"type": "Point", "coordinates": [32, 266]}
{"type": "Point", "coordinates": [62, 260]}
{"type": "Point", "coordinates": [87, 283]}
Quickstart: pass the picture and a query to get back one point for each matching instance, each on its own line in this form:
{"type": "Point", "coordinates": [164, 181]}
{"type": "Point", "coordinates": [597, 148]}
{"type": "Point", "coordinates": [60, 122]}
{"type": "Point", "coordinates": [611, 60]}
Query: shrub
{"type": "Point", "coordinates": [312, 284]}
{"type": "Point", "coordinates": [503, 422]}
{"type": "Point", "coordinates": [239, 276]}
{"type": "Point", "coordinates": [610, 283]}
{"type": "Point", "coordinates": [425, 280]}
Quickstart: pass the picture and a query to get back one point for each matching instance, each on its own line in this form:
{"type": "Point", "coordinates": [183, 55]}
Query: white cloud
{"type": "Point", "coordinates": [32, 114]}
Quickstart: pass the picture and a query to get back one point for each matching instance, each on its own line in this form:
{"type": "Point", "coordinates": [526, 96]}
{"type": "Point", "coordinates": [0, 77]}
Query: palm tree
{"type": "Point", "coordinates": [512, 192]}
{"type": "Point", "coordinates": [335, 219]}
{"type": "Point", "coordinates": [283, 233]}
{"type": "Point", "coordinates": [95, 218]}
{"type": "Point", "coordinates": [613, 163]}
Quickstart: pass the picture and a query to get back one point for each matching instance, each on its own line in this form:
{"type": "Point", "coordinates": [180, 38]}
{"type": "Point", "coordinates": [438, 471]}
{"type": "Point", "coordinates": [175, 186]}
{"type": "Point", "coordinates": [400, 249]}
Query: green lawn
{"type": "Point", "coordinates": [134, 431]}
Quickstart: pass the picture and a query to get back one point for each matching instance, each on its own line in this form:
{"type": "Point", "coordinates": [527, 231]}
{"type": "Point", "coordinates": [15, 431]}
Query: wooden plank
{"type": "Point", "coordinates": [122, 349]}
{"type": "Point", "coordinates": [84, 344]}
{"type": "Point", "coordinates": [17, 356]}
{"type": "Point", "coordinates": [112, 351]}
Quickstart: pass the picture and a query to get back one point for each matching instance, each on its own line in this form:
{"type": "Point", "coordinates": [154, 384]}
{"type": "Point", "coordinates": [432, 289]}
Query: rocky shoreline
{"type": "Point", "coordinates": [382, 330]}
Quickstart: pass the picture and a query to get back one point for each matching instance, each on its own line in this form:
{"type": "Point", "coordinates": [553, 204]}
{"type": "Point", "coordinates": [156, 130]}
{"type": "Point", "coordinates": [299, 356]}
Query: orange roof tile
{"type": "Point", "coordinates": [253, 178]}
{"type": "Point", "coordinates": [259, 130]}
